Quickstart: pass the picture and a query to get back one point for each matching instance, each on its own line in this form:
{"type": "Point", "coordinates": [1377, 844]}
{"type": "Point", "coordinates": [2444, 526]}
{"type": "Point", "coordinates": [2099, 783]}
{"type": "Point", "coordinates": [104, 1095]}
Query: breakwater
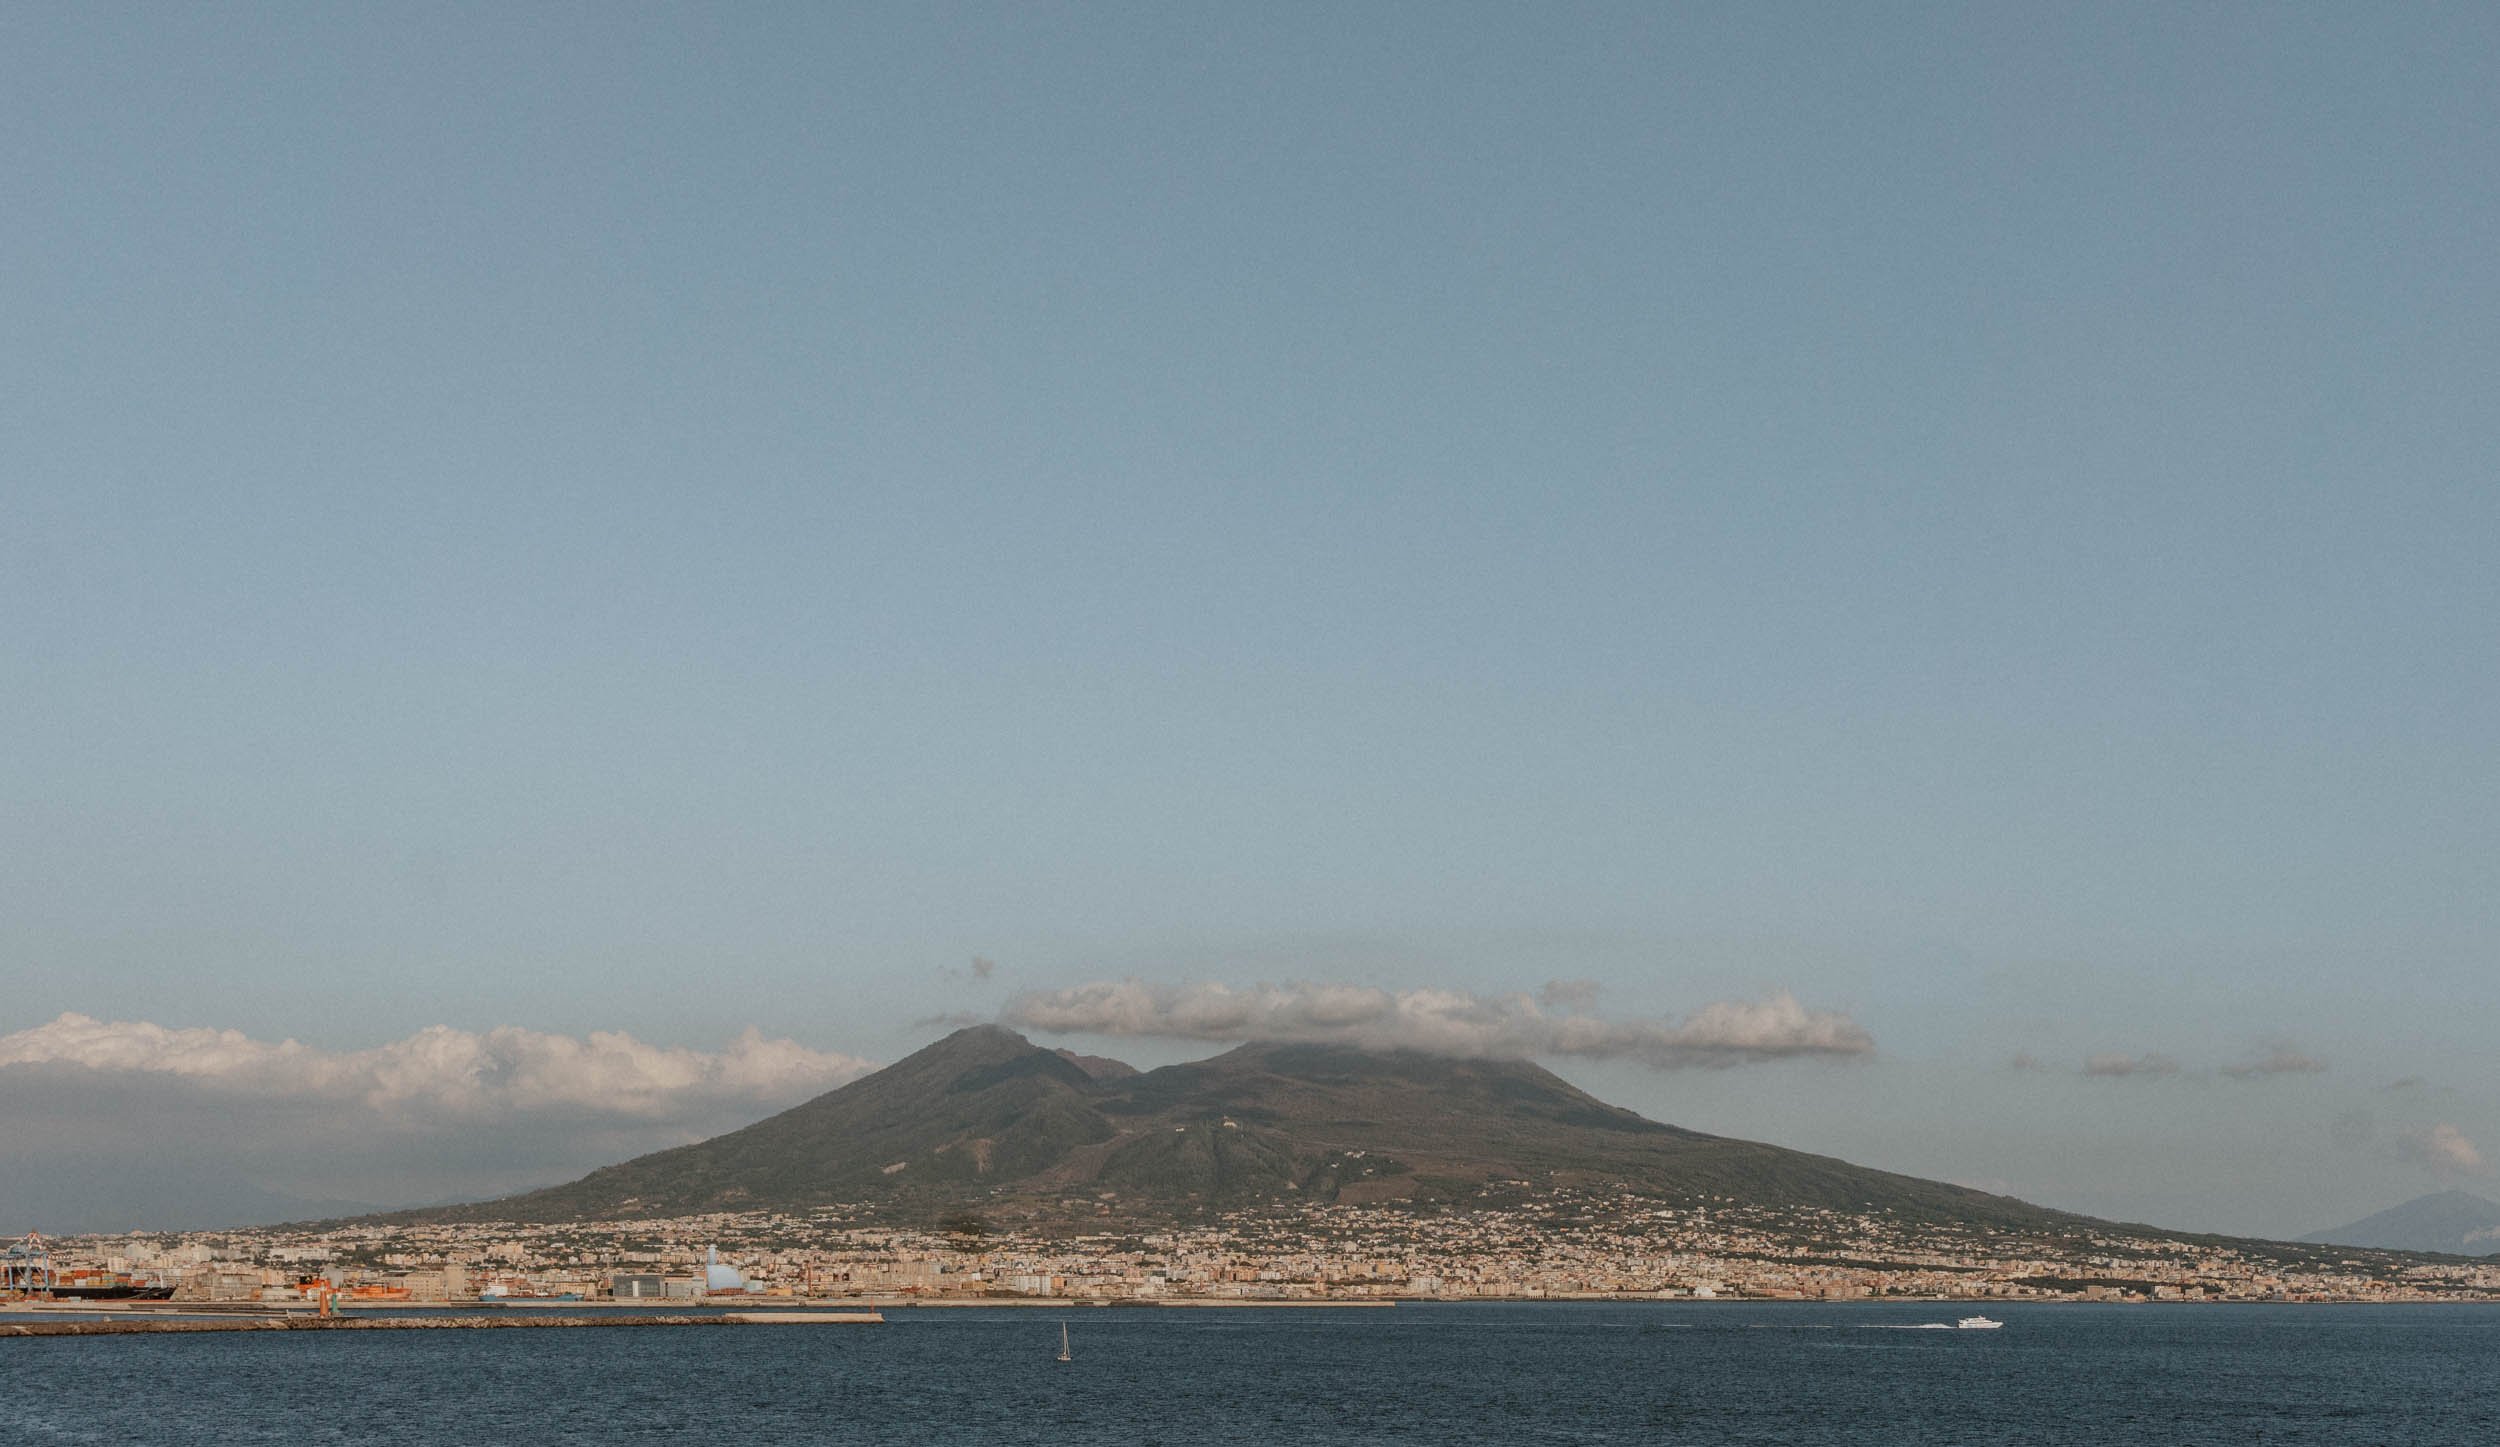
{"type": "Point", "coordinates": [135, 1325]}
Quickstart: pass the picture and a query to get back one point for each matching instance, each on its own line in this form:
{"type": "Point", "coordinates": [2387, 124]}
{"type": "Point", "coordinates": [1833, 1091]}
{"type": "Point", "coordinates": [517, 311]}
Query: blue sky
{"type": "Point", "coordinates": [675, 520]}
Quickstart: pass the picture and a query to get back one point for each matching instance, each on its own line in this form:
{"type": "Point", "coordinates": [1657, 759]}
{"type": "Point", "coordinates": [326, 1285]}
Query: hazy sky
{"type": "Point", "coordinates": [1979, 523]}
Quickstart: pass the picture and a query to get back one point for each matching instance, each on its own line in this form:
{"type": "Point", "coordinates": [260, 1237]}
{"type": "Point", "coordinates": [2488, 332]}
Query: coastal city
{"type": "Point", "coordinates": [1558, 1246]}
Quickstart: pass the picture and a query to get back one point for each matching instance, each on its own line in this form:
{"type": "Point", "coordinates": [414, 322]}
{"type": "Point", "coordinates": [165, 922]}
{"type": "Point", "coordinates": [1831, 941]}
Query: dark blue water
{"type": "Point", "coordinates": [1699, 1373]}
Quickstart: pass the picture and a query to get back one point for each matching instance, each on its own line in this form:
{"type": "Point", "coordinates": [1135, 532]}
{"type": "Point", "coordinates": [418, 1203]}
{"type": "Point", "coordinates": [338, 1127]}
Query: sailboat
{"type": "Point", "coordinates": [1063, 1343]}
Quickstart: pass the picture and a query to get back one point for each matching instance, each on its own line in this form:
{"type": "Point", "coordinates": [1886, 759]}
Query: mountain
{"type": "Point", "coordinates": [1100, 1067]}
{"type": "Point", "coordinates": [2457, 1223]}
{"type": "Point", "coordinates": [984, 1118]}
{"type": "Point", "coordinates": [61, 1192]}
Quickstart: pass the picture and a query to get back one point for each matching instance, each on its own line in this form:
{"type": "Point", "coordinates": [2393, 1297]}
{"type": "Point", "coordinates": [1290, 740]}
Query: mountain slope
{"type": "Point", "coordinates": [980, 1104]}
{"type": "Point", "coordinates": [985, 1118]}
{"type": "Point", "coordinates": [1447, 1126]}
{"type": "Point", "coordinates": [2453, 1222]}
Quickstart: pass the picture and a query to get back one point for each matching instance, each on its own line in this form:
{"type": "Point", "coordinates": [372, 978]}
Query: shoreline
{"type": "Point", "coordinates": [142, 1325]}
{"type": "Point", "coordinates": [62, 1320]}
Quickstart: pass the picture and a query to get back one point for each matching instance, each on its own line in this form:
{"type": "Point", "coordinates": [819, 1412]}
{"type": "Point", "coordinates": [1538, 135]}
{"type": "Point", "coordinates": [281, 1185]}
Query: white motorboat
{"type": "Point", "coordinates": [1978, 1323]}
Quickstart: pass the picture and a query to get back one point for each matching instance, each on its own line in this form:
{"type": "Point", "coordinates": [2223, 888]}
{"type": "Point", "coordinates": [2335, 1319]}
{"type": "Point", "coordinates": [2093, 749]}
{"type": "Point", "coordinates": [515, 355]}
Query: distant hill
{"type": "Point", "coordinates": [986, 1119]}
{"type": "Point", "coordinates": [2457, 1223]}
{"type": "Point", "coordinates": [60, 1193]}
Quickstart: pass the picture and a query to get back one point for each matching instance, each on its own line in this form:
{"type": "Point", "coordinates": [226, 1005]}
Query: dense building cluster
{"type": "Point", "coordinates": [1566, 1244]}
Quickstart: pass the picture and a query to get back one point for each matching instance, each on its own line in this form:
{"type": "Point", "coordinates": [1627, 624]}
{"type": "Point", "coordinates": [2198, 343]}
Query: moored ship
{"type": "Point", "coordinates": [92, 1285]}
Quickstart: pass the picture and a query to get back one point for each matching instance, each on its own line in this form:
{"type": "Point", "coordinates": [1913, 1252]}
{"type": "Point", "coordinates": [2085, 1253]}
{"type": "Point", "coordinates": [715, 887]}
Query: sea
{"type": "Point", "coordinates": [1664, 1372]}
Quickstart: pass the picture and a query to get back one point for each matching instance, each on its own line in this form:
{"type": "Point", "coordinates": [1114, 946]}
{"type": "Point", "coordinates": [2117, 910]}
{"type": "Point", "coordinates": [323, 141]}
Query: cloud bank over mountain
{"type": "Point", "coordinates": [126, 1122]}
{"type": "Point", "coordinates": [1718, 1035]}
{"type": "Point", "coordinates": [2442, 1149]}
{"type": "Point", "coordinates": [440, 1074]}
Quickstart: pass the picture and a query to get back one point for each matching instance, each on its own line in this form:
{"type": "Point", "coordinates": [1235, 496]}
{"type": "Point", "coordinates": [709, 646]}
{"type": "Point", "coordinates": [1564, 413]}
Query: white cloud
{"type": "Point", "coordinates": [443, 1075]}
{"type": "Point", "coordinates": [2277, 1059]}
{"type": "Point", "coordinates": [1444, 1022]}
{"type": "Point", "coordinates": [130, 1121]}
{"type": "Point", "coordinates": [2442, 1148]}
{"type": "Point", "coordinates": [2114, 1066]}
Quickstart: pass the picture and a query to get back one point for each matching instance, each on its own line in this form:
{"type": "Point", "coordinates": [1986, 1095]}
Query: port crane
{"type": "Point", "coordinates": [26, 1267]}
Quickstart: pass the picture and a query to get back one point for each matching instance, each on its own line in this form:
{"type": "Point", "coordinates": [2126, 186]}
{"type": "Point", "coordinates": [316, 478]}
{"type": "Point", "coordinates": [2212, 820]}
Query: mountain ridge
{"type": "Point", "coordinates": [983, 1119]}
{"type": "Point", "coordinates": [2452, 1222]}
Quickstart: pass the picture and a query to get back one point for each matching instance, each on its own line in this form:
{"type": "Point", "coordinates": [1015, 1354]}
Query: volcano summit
{"type": "Point", "coordinates": [984, 1119]}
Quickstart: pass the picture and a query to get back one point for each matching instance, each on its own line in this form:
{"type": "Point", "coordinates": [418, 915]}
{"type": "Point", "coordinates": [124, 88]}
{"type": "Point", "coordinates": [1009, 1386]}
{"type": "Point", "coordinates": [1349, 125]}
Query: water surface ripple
{"type": "Point", "coordinates": [1583, 1373]}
